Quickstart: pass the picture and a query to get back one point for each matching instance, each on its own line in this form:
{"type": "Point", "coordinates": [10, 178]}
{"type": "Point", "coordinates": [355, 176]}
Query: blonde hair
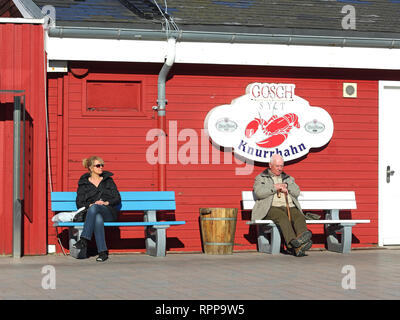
{"type": "Point", "coordinates": [88, 162]}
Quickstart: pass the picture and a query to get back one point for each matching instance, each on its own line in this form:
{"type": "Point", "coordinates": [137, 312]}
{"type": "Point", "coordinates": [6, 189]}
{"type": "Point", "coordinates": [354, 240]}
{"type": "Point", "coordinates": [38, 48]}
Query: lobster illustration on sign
{"type": "Point", "coordinates": [276, 129]}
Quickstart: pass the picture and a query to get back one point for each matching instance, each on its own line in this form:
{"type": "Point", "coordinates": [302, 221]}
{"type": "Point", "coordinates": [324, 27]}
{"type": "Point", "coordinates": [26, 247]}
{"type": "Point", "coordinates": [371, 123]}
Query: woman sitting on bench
{"type": "Point", "coordinates": [98, 193]}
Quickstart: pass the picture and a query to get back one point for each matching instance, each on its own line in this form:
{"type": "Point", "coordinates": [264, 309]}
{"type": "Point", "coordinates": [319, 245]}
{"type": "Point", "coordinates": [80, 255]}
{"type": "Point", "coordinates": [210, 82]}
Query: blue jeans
{"type": "Point", "coordinates": [94, 223]}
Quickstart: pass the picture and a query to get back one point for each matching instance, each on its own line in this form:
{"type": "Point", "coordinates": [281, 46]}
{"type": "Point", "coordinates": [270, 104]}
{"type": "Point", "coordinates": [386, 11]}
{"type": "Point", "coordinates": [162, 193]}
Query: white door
{"type": "Point", "coordinates": [389, 163]}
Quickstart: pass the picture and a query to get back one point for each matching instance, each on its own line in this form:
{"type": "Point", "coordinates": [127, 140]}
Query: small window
{"type": "Point", "coordinates": [113, 97]}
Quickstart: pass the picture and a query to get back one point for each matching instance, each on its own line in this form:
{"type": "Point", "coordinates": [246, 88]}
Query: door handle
{"type": "Point", "coordinates": [388, 174]}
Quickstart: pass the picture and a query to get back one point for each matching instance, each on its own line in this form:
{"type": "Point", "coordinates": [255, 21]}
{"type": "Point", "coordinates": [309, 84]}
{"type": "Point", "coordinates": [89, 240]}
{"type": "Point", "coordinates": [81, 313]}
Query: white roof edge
{"type": "Point", "coordinates": [70, 49]}
{"type": "Point", "coordinates": [22, 20]}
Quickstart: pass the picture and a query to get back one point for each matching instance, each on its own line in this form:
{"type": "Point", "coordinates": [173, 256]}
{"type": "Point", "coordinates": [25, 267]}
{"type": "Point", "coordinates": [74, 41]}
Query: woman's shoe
{"type": "Point", "coordinates": [82, 243]}
{"type": "Point", "coordinates": [103, 256]}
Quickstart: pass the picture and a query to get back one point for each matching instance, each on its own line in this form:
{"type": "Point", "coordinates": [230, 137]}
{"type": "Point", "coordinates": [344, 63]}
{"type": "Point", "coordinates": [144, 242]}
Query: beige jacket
{"type": "Point", "coordinates": [264, 191]}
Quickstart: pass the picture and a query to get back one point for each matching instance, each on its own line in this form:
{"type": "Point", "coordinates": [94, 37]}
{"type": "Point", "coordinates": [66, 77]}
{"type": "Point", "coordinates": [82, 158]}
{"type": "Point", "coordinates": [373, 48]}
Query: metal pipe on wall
{"type": "Point", "coordinates": [17, 204]}
{"type": "Point", "coordinates": [161, 104]}
{"type": "Point", "coordinates": [18, 112]}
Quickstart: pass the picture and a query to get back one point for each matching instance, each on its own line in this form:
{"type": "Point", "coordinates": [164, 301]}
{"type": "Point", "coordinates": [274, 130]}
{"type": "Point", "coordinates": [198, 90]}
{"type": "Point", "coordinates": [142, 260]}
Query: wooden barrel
{"type": "Point", "coordinates": [218, 226]}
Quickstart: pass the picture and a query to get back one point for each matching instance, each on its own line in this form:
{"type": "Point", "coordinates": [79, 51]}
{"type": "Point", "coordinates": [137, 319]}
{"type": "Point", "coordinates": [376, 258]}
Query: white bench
{"type": "Point", "coordinates": [331, 201]}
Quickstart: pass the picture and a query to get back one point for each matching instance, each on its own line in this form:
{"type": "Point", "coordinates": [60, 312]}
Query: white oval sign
{"type": "Point", "coordinates": [269, 119]}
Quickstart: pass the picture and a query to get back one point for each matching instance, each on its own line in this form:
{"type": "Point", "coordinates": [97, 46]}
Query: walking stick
{"type": "Point", "coordinates": [287, 207]}
{"type": "Point", "coordinates": [287, 204]}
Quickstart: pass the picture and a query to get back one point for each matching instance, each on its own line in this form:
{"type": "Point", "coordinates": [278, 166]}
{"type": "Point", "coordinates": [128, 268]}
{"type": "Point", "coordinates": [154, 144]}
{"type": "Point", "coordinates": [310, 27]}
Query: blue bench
{"type": "Point", "coordinates": [149, 202]}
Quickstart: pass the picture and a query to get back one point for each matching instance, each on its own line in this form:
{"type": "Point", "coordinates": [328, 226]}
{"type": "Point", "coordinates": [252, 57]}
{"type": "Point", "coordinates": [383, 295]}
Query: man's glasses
{"type": "Point", "coordinates": [99, 165]}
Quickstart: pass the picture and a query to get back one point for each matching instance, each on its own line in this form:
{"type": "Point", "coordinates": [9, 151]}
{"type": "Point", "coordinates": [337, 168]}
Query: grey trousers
{"type": "Point", "coordinates": [290, 229]}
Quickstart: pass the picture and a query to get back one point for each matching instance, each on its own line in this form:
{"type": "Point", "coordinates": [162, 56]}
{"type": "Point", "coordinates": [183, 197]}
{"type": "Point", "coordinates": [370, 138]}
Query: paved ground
{"type": "Point", "coordinates": [362, 274]}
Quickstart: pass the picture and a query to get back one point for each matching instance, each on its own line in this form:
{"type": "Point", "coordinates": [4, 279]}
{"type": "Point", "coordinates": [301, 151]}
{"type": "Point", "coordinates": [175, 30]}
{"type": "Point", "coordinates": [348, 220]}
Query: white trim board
{"type": "Point", "coordinates": [71, 49]}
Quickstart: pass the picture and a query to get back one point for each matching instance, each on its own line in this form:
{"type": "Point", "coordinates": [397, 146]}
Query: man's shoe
{"type": "Point", "coordinates": [301, 251]}
{"type": "Point", "coordinates": [103, 256]}
{"type": "Point", "coordinates": [82, 243]}
{"type": "Point", "coordinates": [301, 239]}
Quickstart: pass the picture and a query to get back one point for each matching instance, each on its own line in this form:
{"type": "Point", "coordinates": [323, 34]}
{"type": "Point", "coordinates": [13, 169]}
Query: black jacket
{"type": "Point", "coordinates": [88, 193]}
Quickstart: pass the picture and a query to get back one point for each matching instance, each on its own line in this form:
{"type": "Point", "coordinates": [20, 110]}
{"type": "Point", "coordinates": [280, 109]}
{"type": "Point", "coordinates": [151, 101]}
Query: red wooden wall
{"type": "Point", "coordinates": [22, 67]}
{"type": "Point", "coordinates": [348, 162]}
{"type": "Point", "coordinates": [117, 137]}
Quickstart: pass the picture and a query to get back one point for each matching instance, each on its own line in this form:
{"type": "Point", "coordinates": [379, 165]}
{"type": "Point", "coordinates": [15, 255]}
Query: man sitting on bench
{"type": "Point", "coordinates": [284, 209]}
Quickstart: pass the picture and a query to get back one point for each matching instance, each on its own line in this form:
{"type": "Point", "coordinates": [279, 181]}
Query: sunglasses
{"type": "Point", "coordinates": [99, 165]}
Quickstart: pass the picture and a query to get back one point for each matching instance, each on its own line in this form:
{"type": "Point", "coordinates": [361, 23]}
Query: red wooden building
{"type": "Point", "coordinates": [101, 87]}
{"type": "Point", "coordinates": [22, 67]}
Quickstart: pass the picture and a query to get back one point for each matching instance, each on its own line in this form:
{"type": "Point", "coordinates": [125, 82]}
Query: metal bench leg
{"type": "Point", "coordinates": [150, 216]}
{"type": "Point", "coordinates": [74, 236]}
{"type": "Point", "coordinates": [333, 244]}
{"type": "Point", "coordinates": [155, 238]}
{"type": "Point", "coordinates": [264, 245]}
{"type": "Point", "coordinates": [332, 214]}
